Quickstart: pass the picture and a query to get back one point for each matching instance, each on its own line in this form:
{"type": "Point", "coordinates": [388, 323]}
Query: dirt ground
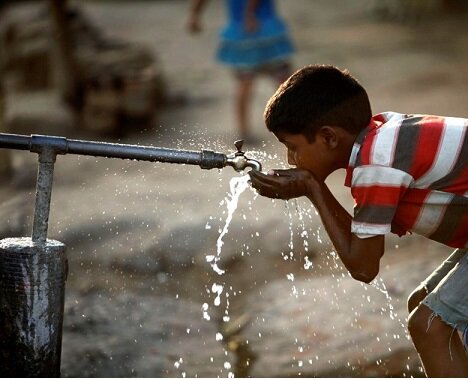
{"type": "Point", "coordinates": [111, 213]}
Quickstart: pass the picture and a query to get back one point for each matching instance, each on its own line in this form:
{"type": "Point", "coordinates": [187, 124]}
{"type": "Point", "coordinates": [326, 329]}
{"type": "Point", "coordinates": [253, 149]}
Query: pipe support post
{"type": "Point", "coordinates": [32, 289]}
{"type": "Point", "coordinates": [45, 177]}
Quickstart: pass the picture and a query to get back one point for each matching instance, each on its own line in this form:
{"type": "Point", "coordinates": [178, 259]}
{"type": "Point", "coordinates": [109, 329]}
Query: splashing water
{"type": "Point", "coordinates": [237, 186]}
{"type": "Point", "coordinates": [336, 291]}
{"type": "Point", "coordinates": [219, 289]}
{"type": "Point", "coordinates": [379, 284]}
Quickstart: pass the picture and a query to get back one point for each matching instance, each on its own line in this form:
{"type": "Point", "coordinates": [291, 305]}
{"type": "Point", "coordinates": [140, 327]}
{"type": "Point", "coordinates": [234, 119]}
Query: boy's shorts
{"type": "Point", "coordinates": [448, 291]}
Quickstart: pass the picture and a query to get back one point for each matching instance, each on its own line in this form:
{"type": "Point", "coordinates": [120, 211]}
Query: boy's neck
{"type": "Point", "coordinates": [344, 150]}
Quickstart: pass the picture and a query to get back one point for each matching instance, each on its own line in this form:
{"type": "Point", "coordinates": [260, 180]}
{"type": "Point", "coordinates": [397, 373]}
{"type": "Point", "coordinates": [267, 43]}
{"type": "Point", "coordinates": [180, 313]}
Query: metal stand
{"type": "Point", "coordinates": [32, 291]}
{"type": "Point", "coordinates": [33, 270]}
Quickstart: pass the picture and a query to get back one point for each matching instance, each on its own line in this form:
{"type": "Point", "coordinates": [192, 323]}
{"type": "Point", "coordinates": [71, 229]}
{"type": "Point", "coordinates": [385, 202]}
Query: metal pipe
{"type": "Point", "coordinates": [45, 176]}
{"type": "Point", "coordinates": [206, 159]}
{"type": "Point", "coordinates": [33, 271]}
{"type": "Point", "coordinates": [12, 141]}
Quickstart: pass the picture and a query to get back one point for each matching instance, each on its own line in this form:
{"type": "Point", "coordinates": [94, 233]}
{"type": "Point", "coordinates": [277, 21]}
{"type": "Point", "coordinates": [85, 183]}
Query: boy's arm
{"type": "Point", "coordinates": [360, 256]}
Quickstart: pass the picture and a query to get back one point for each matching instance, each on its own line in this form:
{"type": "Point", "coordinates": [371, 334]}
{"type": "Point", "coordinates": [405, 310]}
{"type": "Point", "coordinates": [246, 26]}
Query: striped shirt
{"type": "Point", "coordinates": [409, 173]}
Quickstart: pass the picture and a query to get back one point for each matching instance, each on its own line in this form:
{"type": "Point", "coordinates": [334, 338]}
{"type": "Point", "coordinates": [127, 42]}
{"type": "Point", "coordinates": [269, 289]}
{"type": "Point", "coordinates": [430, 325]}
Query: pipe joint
{"type": "Point", "coordinates": [48, 146]}
{"type": "Point", "coordinates": [210, 160]}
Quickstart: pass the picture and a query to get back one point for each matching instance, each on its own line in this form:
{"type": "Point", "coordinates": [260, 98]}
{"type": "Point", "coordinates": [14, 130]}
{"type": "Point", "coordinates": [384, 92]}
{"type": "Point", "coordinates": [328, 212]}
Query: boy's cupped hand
{"type": "Point", "coordinates": [281, 184]}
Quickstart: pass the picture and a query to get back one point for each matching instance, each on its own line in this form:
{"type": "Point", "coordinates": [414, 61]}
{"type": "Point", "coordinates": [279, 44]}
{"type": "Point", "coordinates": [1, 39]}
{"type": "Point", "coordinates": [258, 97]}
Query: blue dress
{"type": "Point", "coordinates": [269, 44]}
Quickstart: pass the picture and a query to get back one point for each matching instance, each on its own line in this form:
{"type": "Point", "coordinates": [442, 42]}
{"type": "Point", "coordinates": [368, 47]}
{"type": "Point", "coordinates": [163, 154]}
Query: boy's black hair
{"type": "Point", "coordinates": [315, 96]}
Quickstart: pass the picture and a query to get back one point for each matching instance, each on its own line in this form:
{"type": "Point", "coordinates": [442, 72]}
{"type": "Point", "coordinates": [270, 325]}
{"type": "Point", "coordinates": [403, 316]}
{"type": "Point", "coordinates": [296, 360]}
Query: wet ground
{"type": "Point", "coordinates": [137, 233]}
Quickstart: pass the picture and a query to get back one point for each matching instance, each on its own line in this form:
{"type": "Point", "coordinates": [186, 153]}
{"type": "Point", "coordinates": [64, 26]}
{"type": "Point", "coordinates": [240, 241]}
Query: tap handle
{"type": "Point", "coordinates": [238, 144]}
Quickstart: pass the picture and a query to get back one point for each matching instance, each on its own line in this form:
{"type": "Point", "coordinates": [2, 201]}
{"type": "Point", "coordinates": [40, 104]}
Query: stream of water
{"type": "Point", "coordinates": [237, 186]}
{"type": "Point", "coordinates": [217, 289]}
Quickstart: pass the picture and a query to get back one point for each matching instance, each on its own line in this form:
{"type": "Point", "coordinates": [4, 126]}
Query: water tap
{"type": "Point", "coordinates": [239, 161]}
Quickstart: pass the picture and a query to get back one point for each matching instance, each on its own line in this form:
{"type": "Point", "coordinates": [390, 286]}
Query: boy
{"type": "Point", "coordinates": [407, 173]}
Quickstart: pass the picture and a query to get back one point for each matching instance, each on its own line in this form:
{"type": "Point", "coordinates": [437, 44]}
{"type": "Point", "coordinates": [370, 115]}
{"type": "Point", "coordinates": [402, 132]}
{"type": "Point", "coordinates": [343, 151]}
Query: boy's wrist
{"type": "Point", "coordinates": [314, 188]}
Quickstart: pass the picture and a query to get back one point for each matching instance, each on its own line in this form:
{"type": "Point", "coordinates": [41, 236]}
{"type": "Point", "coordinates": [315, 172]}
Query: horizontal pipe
{"type": "Point", "coordinates": [11, 141]}
{"type": "Point", "coordinates": [133, 152]}
{"type": "Point", "coordinates": [206, 159]}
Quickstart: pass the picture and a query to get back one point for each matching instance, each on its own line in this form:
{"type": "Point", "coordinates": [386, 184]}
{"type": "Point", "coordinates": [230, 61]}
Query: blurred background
{"type": "Point", "coordinates": [141, 298]}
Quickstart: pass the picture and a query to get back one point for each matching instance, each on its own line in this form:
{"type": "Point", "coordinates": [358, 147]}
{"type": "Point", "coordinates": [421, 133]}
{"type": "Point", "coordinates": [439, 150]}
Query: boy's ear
{"type": "Point", "coordinates": [329, 136]}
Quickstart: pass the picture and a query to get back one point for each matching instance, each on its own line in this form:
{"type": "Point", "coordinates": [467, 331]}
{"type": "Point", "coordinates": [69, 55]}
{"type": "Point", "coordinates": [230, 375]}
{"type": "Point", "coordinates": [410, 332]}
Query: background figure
{"type": "Point", "coordinates": [254, 41]}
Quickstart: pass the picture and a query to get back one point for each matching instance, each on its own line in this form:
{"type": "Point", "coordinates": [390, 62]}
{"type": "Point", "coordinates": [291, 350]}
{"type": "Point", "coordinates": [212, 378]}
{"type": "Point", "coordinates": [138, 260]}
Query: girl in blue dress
{"type": "Point", "coordinates": [254, 41]}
